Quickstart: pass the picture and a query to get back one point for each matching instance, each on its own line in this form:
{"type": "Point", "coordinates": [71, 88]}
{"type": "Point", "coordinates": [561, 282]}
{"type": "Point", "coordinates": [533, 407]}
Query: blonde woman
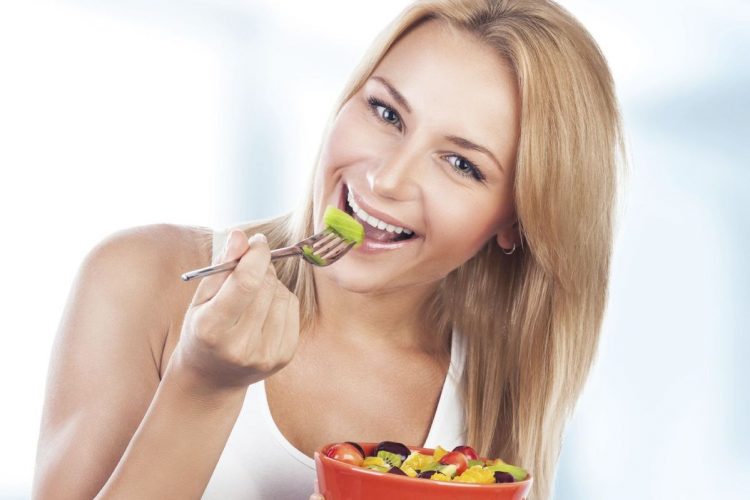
{"type": "Point", "coordinates": [482, 137]}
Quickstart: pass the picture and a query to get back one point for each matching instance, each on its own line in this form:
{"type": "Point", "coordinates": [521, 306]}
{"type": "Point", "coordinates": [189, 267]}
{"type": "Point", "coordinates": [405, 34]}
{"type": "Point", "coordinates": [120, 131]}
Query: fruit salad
{"type": "Point", "coordinates": [460, 465]}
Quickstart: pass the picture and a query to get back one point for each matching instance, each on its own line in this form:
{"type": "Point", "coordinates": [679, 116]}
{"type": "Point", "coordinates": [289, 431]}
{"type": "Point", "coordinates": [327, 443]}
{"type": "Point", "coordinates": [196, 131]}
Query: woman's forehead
{"type": "Point", "coordinates": [452, 80]}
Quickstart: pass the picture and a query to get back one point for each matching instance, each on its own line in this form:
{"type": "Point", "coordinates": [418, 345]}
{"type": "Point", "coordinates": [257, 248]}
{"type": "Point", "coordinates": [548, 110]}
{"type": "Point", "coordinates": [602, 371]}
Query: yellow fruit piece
{"type": "Point", "coordinates": [418, 461]}
{"type": "Point", "coordinates": [408, 471]}
{"type": "Point", "coordinates": [476, 475]}
{"type": "Point", "coordinates": [439, 477]}
{"type": "Point", "coordinates": [439, 453]}
{"type": "Point", "coordinates": [374, 461]}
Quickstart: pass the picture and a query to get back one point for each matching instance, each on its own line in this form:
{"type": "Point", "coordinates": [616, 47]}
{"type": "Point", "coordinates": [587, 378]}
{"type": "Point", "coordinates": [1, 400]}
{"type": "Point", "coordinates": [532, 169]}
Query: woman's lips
{"type": "Point", "coordinates": [370, 245]}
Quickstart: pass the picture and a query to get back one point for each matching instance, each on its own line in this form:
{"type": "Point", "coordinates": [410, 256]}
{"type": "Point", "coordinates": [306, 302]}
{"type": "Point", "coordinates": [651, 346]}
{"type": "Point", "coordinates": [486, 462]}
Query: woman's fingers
{"type": "Point", "coordinates": [235, 246]}
{"type": "Point", "coordinates": [248, 328]}
{"type": "Point", "coordinates": [246, 289]}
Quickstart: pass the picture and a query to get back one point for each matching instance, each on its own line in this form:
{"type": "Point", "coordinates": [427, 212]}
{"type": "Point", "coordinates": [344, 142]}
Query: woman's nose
{"type": "Point", "coordinates": [395, 177]}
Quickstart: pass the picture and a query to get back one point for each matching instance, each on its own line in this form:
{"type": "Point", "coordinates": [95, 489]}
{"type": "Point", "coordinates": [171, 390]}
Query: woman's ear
{"type": "Point", "coordinates": [509, 237]}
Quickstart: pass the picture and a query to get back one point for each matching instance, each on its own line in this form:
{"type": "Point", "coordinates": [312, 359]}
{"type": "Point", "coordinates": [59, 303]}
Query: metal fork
{"type": "Point", "coordinates": [320, 249]}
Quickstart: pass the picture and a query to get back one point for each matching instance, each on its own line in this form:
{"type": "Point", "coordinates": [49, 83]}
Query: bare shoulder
{"type": "Point", "coordinates": [141, 268]}
{"type": "Point", "coordinates": [106, 361]}
{"type": "Point", "coordinates": [158, 248]}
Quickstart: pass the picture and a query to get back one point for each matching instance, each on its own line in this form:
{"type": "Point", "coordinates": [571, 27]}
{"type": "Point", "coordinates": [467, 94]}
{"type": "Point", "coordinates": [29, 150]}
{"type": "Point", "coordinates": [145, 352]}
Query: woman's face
{"type": "Point", "coordinates": [428, 144]}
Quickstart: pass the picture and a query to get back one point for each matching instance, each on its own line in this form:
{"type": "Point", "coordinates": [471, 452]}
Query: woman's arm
{"type": "Point", "coordinates": [109, 427]}
{"type": "Point", "coordinates": [104, 371]}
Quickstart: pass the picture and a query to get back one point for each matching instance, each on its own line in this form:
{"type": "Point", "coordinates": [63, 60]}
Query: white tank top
{"type": "Point", "coordinates": [259, 463]}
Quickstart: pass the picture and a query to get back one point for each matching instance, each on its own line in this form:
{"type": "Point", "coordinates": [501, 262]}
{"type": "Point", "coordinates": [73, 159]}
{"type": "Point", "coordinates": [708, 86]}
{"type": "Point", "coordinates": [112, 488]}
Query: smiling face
{"type": "Point", "coordinates": [427, 145]}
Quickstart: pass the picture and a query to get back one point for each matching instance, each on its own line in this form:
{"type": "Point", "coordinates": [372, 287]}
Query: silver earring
{"type": "Point", "coordinates": [511, 250]}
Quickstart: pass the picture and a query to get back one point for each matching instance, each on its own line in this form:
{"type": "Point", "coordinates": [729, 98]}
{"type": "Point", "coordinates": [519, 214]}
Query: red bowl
{"type": "Point", "coordinates": [341, 481]}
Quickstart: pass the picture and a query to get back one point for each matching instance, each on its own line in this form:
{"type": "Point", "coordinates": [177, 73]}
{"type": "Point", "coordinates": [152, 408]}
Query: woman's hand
{"type": "Point", "coordinates": [241, 326]}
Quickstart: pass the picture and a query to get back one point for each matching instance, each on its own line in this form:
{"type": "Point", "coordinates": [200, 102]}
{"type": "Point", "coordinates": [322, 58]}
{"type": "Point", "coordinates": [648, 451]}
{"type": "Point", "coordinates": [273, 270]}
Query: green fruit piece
{"type": "Point", "coordinates": [472, 463]}
{"type": "Point", "coordinates": [390, 458]}
{"type": "Point", "coordinates": [344, 225]}
{"type": "Point", "coordinates": [448, 470]}
{"type": "Point", "coordinates": [310, 254]}
{"type": "Point", "coordinates": [432, 466]}
{"type": "Point", "coordinates": [518, 473]}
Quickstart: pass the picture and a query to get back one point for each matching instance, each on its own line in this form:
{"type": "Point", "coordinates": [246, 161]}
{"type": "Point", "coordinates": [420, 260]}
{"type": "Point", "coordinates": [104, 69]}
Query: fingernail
{"type": "Point", "coordinates": [257, 238]}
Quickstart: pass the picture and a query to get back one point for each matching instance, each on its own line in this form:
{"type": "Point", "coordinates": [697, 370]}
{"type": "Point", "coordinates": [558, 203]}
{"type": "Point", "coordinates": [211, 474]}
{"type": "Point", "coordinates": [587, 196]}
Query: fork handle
{"type": "Point", "coordinates": [279, 253]}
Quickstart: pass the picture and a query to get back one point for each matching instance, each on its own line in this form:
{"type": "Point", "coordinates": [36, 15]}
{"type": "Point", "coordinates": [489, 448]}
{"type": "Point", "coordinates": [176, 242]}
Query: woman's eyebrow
{"type": "Point", "coordinates": [467, 144]}
{"type": "Point", "coordinates": [394, 93]}
{"type": "Point", "coordinates": [458, 141]}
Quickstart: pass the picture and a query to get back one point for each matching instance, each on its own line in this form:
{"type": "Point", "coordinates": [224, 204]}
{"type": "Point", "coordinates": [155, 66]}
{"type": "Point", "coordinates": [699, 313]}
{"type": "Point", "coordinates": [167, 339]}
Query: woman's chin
{"type": "Point", "coordinates": [355, 279]}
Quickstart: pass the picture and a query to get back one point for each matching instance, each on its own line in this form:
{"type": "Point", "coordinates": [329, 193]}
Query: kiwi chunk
{"type": "Point", "coordinates": [310, 255]}
{"type": "Point", "coordinates": [390, 458]}
{"type": "Point", "coordinates": [344, 225]}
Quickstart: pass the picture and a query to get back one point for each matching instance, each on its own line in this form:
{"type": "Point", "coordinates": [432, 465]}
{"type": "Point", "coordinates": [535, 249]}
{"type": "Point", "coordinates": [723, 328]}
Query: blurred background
{"type": "Point", "coordinates": [122, 113]}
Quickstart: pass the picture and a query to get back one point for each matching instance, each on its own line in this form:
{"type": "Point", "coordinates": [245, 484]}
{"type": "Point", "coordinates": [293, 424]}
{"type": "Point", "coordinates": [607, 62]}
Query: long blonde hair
{"type": "Point", "coordinates": [531, 319]}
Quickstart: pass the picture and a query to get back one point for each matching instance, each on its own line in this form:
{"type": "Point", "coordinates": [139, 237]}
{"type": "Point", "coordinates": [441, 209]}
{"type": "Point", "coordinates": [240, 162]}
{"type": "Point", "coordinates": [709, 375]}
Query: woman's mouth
{"type": "Point", "coordinates": [379, 234]}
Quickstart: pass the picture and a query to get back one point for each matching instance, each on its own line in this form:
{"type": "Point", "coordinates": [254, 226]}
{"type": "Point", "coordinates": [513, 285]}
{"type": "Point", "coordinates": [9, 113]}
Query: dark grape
{"type": "Point", "coordinates": [426, 474]}
{"type": "Point", "coordinates": [397, 471]}
{"type": "Point", "coordinates": [392, 447]}
{"type": "Point", "coordinates": [503, 477]}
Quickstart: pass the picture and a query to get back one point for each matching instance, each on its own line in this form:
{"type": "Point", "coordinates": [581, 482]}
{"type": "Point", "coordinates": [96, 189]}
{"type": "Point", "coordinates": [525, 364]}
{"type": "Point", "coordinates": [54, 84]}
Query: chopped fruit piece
{"type": "Point", "coordinates": [309, 254]}
{"type": "Point", "coordinates": [503, 477]}
{"type": "Point", "coordinates": [344, 225]}
{"type": "Point", "coordinates": [455, 458]}
{"type": "Point", "coordinates": [397, 471]}
{"type": "Point", "coordinates": [449, 470]}
{"type": "Point", "coordinates": [409, 471]}
{"type": "Point", "coordinates": [356, 445]}
{"type": "Point", "coordinates": [345, 452]}
{"type": "Point", "coordinates": [518, 473]}
{"type": "Point", "coordinates": [373, 461]}
{"type": "Point", "coordinates": [390, 458]}
{"type": "Point", "coordinates": [439, 477]}
{"type": "Point", "coordinates": [419, 461]}
{"type": "Point", "coordinates": [474, 463]}
{"type": "Point", "coordinates": [393, 447]}
{"type": "Point", "coordinates": [476, 475]}
{"type": "Point", "coordinates": [438, 453]}
{"type": "Point", "coordinates": [468, 451]}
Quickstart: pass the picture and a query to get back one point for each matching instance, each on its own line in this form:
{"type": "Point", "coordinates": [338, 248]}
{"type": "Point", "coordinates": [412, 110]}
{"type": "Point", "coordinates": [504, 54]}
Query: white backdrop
{"type": "Point", "coordinates": [121, 113]}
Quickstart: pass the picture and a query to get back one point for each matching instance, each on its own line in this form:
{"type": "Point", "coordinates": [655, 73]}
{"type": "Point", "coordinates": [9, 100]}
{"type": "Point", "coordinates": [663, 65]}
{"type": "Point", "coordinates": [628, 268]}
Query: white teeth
{"type": "Point", "coordinates": [373, 221]}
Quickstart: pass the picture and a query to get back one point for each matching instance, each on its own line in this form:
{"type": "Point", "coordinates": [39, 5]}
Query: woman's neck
{"type": "Point", "coordinates": [395, 317]}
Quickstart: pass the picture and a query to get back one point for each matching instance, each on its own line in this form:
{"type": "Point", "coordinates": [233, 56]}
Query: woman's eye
{"type": "Point", "coordinates": [384, 112]}
{"type": "Point", "coordinates": [464, 167]}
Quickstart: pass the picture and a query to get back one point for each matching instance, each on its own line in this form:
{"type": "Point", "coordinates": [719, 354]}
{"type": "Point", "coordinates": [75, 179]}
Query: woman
{"type": "Point", "coordinates": [489, 130]}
